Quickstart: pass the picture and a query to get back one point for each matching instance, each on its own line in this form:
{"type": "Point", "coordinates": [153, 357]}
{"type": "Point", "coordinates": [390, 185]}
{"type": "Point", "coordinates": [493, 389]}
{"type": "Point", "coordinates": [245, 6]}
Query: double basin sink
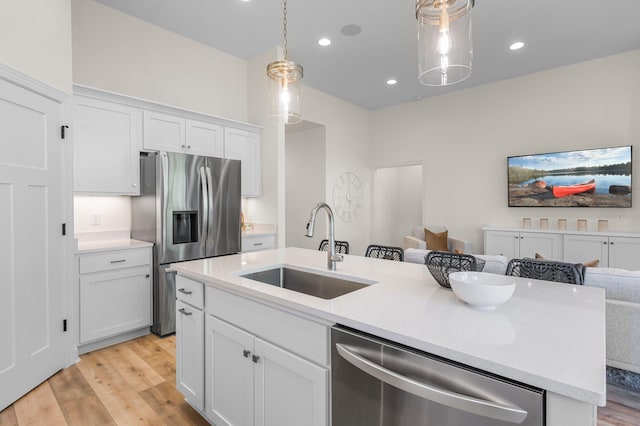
{"type": "Point", "coordinates": [313, 284]}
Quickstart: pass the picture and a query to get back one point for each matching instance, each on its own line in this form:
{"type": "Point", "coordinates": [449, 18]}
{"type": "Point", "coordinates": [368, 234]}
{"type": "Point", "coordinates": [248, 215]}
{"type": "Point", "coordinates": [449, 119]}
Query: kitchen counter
{"type": "Point", "coordinates": [102, 245]}
{"type": "Point", "coordinates": [548, 335]}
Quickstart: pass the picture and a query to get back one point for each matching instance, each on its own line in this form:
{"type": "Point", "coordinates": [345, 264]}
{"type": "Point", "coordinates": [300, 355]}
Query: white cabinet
{"type": "Point", "coordinates": [190, 341]}
{"type": "Point", "coordinates": [165, 132]}
{"type": "Point", "coordinates": [252, 382]}
{"type": "Point", "coordinates": [106, 141]}
{"type": "Point", "coordinates": [263, 366]}
{"type": "Point", "coordinates": [611, 251]}
{"type": "Point", "coordinates": [515, 244]}
{"type": "Point", "coordinates": [258, 242]}
{"type": "Point", "coordinates": [115, 293]}
{"type": "Point", "coordinates": [245, 146]}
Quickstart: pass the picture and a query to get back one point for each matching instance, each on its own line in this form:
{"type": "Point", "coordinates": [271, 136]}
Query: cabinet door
{"type": "Point", "coordinates": [106, 142]}
{"type": "Point", "coordinates": [258, 242]}
{"type": "Point", "coordinates": [289, 390]}
{"type": "Point", "coordinates": [163, 132]}
{"type": "Point", "coordinates": [190, 353]}
{"type": "Point", "coordinates": [114, 302]}
{"type": "Point", "coordinates": [504, 243]}
{"type": "Point", "coordinates": [624, 252]}
{"type": "Point", "coordinates": [245, 146]}
{"type": "Point", "coordinates": [229, 374]}
{"type": "Point", "coordinates": [204, 139]}
{"type": "Point", "coordinates": [547, 245]}
{"type": "Point", "coordinates": [583, 248]}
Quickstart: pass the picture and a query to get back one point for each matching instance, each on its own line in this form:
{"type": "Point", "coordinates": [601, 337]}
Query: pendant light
{"type": "Point", "coordinates": [445, 48]}
{"type": "Point", "coordinates": [285, 85]}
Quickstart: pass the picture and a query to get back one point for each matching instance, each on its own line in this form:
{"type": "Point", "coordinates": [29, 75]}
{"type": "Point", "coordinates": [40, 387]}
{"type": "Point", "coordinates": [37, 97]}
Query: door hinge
{"type": "Point", "coordinates": [64, 325]}
{"type": "Point", "coordinates": [62, 131]}
{"type": "Point", "coordinates": [64, 229]}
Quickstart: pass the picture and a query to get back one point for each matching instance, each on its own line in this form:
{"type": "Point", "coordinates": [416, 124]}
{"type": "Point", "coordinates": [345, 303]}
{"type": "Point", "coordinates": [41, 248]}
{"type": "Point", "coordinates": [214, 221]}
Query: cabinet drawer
{"type": "Point", "coordinates": [190, 291]}
{"type": "Point", "coordinates": [258, 242]}
{"type": "Point", "coordinates": [293, 333]}
{"type": "Point", "coordinates": [116, 259]}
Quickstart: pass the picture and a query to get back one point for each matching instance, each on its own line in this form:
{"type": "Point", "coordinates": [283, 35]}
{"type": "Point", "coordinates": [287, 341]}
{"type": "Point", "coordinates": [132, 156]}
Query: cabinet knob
{"type": "Point", "coordinates": [611, 243]}
{"type": "Point", "coordinates": [604, 242]}
{"type": "Point", "coordinates": [147, 276]}
{"type": "Point", "coordinates": [188, 146]}
{"type": "Point", "coordinates": [255, 358]}
{"type": "Point", "coordinates": [246, 353]}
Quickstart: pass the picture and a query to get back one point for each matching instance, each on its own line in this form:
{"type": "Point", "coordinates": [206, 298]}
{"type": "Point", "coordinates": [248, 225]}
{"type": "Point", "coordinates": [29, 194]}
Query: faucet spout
{"type": "Point", "coordinates": [332, 256]}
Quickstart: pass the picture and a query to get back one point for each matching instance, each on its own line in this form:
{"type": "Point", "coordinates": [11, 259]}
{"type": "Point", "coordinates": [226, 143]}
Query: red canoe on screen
{"type": "Point", "coordinates": [563, 191]}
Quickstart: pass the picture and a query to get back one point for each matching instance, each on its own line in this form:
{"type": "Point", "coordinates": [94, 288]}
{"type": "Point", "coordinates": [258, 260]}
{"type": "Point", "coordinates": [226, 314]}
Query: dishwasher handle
{"type": "Point", "coordinates": [494, 410]}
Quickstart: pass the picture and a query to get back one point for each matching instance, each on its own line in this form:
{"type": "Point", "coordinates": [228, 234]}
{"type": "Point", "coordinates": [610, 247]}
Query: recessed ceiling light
{"type": "Point", "coordinates": [391, 82]}
{"type": "Point", "coordinates": [517, 45]}
{"type": "Point", "coordinates": [324, 42]}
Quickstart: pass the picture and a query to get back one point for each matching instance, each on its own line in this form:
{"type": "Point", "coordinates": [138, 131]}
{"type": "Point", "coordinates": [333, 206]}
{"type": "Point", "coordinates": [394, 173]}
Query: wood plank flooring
{"type": "Point", "coordinates": [133, 383]}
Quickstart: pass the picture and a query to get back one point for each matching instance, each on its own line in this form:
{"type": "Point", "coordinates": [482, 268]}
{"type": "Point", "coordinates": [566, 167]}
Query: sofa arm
{"type": "Point", "coordinates": [413, 242]}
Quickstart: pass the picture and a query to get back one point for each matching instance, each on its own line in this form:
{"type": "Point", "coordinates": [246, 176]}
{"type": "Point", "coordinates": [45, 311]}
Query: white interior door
{"type": "Point", "coordinates": [31, 243]}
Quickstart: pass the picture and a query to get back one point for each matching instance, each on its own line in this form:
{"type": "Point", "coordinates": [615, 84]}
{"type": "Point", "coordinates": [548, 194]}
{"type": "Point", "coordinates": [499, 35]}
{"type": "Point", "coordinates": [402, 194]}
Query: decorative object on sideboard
{"type": "Point", "coordinates": [526, 222]}
{"type": "Point", "coordinates": [562, 224]}
{"type": "Point", "coordinates": [544, 223]}
{"type": "Point", "coordinates": [445, 47]}
{"type": "Point", "coordinates": [285, 84]}
{"type": "Point", "coordinates": [603, 225]}
{"type": "Point", "coordinates": [582, 224]}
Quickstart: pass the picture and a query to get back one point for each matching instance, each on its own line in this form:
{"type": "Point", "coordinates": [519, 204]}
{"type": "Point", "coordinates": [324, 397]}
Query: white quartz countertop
{"type": "Point", "coordinates": [548, 335]}
{"type": "Point", "coordinates": [104, 245]}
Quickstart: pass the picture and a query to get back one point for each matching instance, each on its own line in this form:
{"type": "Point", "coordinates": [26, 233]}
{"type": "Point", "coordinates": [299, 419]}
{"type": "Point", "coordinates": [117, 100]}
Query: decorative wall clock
{"type": "Point", "coordinates": [347, 196]}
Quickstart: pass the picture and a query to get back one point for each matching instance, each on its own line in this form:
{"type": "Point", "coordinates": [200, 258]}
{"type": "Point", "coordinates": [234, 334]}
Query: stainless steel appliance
{"type": "Point", "coordinates": [376, 382]}
{"type": "Point", "coordinates": [189, 206]}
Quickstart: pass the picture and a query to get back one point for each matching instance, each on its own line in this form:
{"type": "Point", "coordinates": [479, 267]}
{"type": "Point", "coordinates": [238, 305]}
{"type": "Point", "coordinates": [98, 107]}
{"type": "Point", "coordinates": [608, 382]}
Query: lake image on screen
{"type": "Point", "coordinates": [588, 178]}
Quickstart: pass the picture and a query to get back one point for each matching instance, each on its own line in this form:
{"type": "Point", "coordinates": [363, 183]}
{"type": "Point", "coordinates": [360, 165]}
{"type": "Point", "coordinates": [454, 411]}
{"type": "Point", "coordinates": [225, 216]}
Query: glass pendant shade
{"type": "Point", "coordinates": [445, 47]}
{"type": "Point", "coordinates": [285, 91]}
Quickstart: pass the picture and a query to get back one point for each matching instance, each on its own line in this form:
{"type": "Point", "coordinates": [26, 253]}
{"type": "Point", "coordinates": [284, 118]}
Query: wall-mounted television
{"type": "Point", "coordinates": [587, 178]}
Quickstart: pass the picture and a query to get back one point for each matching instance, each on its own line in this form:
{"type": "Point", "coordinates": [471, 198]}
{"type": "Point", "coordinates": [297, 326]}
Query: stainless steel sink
{"type": "Point", "coordinates": [306, 282]}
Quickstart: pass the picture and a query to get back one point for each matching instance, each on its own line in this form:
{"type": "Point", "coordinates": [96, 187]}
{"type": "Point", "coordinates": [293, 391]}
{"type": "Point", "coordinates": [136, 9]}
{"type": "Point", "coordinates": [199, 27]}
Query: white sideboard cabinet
{"type": "Point", "coordinates": [612, 249]}
{"type": "Point", "coordinates": [106, 141]}
{"type": "Point", "coordinates": [518, 244]}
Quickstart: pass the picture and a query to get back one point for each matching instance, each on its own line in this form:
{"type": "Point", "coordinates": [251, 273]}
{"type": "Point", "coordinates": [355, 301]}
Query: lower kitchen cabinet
{"type": "Point", "coordinates": [190, 353]}
{"type": "Point", "coordinates": [253, 382]}
{"type": "Point", "coordinates": [516, 244]}
{"type": "Point", "coordinates": [115, 290]}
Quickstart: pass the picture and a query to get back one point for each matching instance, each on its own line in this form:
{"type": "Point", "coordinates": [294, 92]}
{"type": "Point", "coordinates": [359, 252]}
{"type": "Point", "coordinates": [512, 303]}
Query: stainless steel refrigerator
{"type": "Point", "coordinates": [189, 207]}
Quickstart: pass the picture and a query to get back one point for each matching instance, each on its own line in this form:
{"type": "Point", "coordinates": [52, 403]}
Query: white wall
{"type": "Point", "coordinates": [119, 53]}
{"type": "Point", "coordinates": [463, 140]}
{"type": "Point", "coordinates": [35, 39]}
{"type": "Point", "coordinates": [114, 214]}
{"type": "Point", "coordinates": [397, 203]}
{"type": "Point", "coordinates": [305, 185]}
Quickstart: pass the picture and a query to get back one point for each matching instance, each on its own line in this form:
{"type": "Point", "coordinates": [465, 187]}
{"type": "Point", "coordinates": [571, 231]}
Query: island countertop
{"type": "Point", "coordinates": [548, 335]}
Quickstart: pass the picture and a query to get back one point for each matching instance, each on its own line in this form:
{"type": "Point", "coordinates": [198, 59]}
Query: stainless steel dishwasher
{"type": "Point", "coordinates": [379, 383]}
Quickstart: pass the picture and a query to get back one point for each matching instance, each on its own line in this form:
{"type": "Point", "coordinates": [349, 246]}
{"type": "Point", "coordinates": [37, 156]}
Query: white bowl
{"type": "Point", "coordinates": [481, 289]}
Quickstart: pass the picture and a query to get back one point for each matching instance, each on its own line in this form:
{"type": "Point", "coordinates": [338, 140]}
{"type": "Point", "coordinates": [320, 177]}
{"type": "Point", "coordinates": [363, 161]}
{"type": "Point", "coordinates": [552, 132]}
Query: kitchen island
{"type": "Point", "coordinates": [548, 335]}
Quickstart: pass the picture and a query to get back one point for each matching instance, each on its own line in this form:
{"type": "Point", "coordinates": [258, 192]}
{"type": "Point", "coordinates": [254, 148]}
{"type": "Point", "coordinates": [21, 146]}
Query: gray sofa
{"type": "Point", "coordinates": [622, 292]}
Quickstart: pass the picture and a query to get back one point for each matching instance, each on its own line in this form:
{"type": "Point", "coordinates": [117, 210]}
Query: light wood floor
{"type": "Point", "coordinates": [133, 383]}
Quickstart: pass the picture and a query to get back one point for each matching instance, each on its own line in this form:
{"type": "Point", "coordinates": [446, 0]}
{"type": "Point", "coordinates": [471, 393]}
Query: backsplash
{"type": "Point", "coordinates": [101, 214]}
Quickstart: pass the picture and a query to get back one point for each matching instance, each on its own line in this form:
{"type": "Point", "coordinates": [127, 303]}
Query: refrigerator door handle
{"type": "Point", "coordinates": [205, 185]}
{"type": "Point", "coordinates": [210, 197]}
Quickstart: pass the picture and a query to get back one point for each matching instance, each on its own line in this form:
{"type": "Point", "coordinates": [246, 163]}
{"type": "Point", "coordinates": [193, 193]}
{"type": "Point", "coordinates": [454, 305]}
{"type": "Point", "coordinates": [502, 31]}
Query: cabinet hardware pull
{"type": "Point", "coordinates": [604, 242]}
{"type": "Point", "coordinates": [188, 146]}
{"type": "Point", "coordinates": [255, 358]}
{"type": "Point", "coordinates": [246, 353]}
{"type": "Point", "coordinates": [611, 243]}
{"type": "Point", "coordinates": [118, 261]}
{"type": "Point", "coordinates": [147, 276]}
{"type": "Point", "coordinates": [183, 311]}
{"type": "Point", "coordinates": [183, 291]}
{"type": "Point", "coordinates": [257, 244]}
{"type": "Point", "coordinates": [181, 146]}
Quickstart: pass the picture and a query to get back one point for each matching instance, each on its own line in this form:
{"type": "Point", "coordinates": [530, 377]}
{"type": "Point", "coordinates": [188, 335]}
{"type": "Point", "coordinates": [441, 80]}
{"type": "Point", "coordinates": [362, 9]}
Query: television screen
{"type": "Point", "coordinates": [587, 178]}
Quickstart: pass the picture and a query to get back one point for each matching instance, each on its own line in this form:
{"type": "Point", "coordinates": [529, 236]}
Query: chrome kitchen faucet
{"type": "Point", "coordinates": [332, 257]}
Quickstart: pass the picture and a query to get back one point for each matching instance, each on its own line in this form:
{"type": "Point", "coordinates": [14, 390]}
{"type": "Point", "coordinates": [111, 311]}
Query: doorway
{"type": "Point", "coordinates": [305, 182]}
{"type": "Point", "coordinates": [397, 203]}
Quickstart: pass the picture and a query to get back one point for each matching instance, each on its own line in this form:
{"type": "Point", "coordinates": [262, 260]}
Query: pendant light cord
{"type": "Point", "coordinates": [284, 25]}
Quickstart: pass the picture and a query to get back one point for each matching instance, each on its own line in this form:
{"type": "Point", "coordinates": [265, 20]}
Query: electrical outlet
{"type": "Point", "coordinates": [95, 219]}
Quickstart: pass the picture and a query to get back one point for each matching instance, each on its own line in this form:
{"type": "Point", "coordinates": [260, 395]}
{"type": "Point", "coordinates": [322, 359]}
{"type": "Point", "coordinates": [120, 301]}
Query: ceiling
{"type": "Point", "coordinates": [356, 68]}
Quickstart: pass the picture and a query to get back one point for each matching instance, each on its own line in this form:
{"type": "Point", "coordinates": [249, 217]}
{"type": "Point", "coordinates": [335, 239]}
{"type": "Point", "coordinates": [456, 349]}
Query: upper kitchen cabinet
{"type": "Point", "coordinates": [106, 141]}
{"type": "Point", "coordinates": [165, 132]}
{"type": "Point", "coordinates": [244, 145]}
